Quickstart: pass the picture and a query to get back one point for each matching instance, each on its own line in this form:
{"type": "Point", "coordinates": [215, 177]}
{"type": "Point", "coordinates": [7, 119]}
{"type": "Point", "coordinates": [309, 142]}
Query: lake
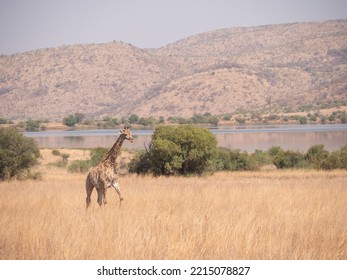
{"type": "Point", "coordinates": [246, 138]}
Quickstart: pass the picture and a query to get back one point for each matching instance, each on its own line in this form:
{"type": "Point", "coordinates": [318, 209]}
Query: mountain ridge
{"type": "Point", "coordinates": [272, 67]}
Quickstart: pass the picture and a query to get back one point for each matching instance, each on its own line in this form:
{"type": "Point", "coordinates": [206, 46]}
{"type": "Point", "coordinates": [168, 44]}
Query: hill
{"type": "Point", "coordinates": [274, 68]}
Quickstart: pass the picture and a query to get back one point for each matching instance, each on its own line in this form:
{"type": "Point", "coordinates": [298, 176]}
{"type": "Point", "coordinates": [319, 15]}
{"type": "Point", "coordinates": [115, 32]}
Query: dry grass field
{"type": "Point", "coordinates": [240, 215]}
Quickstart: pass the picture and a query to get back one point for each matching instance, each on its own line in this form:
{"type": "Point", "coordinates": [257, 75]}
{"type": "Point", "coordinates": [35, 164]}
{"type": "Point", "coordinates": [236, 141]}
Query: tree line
{"type": "Point", "coordinates": [180, 150]}
{"type": "Point", "coordinates": [186, 149]}
{"type": "Point", "coordinates": [240, 117]}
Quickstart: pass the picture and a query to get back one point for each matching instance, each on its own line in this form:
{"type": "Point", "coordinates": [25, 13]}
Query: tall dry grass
{"type": "Point", "coordinates": [257, 215]}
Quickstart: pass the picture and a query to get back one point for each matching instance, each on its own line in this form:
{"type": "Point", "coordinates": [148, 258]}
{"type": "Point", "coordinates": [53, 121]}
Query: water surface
{"type": "Point", "coordinates": [248, 138]}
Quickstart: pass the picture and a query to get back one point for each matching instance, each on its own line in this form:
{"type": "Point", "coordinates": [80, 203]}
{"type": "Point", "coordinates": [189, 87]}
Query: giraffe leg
{"type": "Point", "coordinates": [89, 189]}
{"type": "Point", "coordinates": [117, 188]}
{"type": "Point", "coordinates": [104, 196]}
{"type": "Point", "coordinates": [100, 195]}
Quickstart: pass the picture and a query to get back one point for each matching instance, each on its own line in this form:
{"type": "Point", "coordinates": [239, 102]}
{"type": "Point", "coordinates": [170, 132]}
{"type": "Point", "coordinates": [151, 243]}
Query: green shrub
{"type": "Point", "coordinates": [223, 159]}
{"type": "Point", "coordinates": [32, 125]}
{"type": "Point", "coordinates": [336, 160]}
{"type": "Point", "coordinates": [303, 120]}
{"type": "Point", "coordinates": [56, 153]}
{"type": "Point", "coordinates": [343, 157]}
{"type": "Point", "coordinates": [140, 163]}
{"type": "Point", "coordinates": [64, 157]}
{"type": "Point", "coordinates": [80, 166]}
{"type": "Point", "coordinates": [177, 150]}
{"type": "Point", "coordinates": [133, 119]}
{"type": "Point", "coordinates": [260, 158]}
{"type": "Point", "coordinates": [316, 155]}
{"type": "Point", "coordinates": [274, 150]}
{"type": "Point", "coordinates": [71, 120]}
{"type": "Point", "coordinates": [290, 159]}
{"type": "Point", "coordinates": [332, 162]}
{"type": "Point", "coordinates": [241, 161]}
{"type": "Point", "coordinates": [96, 155]}
{"type": "Point", "coordinates": [17, 153]}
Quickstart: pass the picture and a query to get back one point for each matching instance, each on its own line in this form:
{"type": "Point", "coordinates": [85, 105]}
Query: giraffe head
{"type": "Point", "coordinates": [126, 133]}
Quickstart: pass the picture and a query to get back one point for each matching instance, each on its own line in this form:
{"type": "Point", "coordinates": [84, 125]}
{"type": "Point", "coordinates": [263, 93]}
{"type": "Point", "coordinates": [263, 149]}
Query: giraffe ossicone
{"type": "Point", "coordinates": [104, 175]}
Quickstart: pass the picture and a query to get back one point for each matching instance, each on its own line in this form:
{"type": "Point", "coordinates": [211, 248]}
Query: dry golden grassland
{"type": "Point", "coordinates": [240, 215]}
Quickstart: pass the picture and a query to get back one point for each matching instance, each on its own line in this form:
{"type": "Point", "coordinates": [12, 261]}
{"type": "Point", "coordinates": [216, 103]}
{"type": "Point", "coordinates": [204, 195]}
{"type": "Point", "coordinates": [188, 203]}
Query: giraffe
{"type": "Point", "coordinates": [104, 175]}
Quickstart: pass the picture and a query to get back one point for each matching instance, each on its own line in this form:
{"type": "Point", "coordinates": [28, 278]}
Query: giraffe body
{"type": "Point", "coordinates": [104, 175]}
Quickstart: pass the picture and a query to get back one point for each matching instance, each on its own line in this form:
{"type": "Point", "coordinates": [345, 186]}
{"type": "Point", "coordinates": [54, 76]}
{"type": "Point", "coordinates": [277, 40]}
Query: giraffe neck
{"type": "Point", "coordinates": [114, 152]}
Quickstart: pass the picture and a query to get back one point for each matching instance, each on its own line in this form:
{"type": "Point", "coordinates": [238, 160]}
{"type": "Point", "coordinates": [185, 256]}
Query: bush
{"type": "Point", "coordinates": [316, 155]}
{"type": "Point", "coordinates": [342, 153]}
{"type": "Point", "coordinates": [32, 125]}
{"type": "Point", "coordinates": [56, 153]}
{"type": "Point", "coordinates": [71, 120]}
{"type": "Point", "coordinates": [241, 161]}
{"type": "Point", "coordinates": [290, 159]}
{"type": "Point", "coordinates": [140, 163]}
{"type": "Point", "coordinates": [223, 159]}
{"type": "Point", "coordinates": [260, 158]}
{"type": "Point", "coordinates": [17, 153]}
{"type": "Point", "coordinates": [108, 122]}
{"type": "Point", "coordinates": [303, 120]}
{"type": "Point", "coordinates": [133, 119]}
{"type": "Point", "coordinates": [96, 155]}
{"type": "Point", "coordinates": [177, 150]}
{"type": "Point", "coordinates": [336, 160]}
{"type": "Point", "coordinates": [80, 166]}
{"type": "Point", "coordinates": [274, 151]}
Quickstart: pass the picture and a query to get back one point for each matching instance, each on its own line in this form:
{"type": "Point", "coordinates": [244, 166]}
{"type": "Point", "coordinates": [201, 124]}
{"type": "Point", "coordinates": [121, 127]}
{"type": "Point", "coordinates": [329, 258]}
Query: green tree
{"type": "Point", "coordinates": [213, 120]}
{"type": "Point", "coordinates": [227, 117]}
{"type": "Point", "coordinates": [109, 122]}
{"type": "Point", "coordinates": [274, 150]}
{"type": "Point", "coordinates": [178, 150]}
{"type": "Point", "coordinates": [133, 119]}
{"type": "Point", "coordinates": [290, 159]}
{"type": "Point", "coordinates": [241, 161]}
{"type": "Point", "coordinates": [96, 155]}
{"type": "Point", "coordinates": [316, 155]}
{"type": "Point", "coordinates": [223, 160]}
{"type": "Point", "coordinates": [161, 120]}
{"type": "Point", "coordinates": [17, 153]}
{"type": "Point", "coordinates": [146, 121]}
{"type": "Point", "coordinates": [198, 118]}
{"type": "Point", "coordinates": [331, 118]}
{"type": "Point", "coordinates": [71, 120]}
{"type": "Point", "coordinates": [336, 160]}
{"type": "Point", "coordinates": [303, 120]}
{"type": "Point", "coordinates": [32, 125]}
{"type": "Point", "coordinates": [81, 166]}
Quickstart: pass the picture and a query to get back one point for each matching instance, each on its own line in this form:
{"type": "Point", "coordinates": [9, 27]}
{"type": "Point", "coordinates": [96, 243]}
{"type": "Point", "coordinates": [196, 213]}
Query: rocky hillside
{"type": "Point", "coordinates": [271, 68]}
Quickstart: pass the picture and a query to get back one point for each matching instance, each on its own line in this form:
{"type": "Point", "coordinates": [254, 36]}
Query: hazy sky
{"type": "Point", "coordinates": [32, 24]}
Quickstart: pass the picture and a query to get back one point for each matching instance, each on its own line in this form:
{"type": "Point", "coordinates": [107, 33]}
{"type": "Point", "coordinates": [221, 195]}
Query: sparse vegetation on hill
{"type": "Point", "coordinates": [274, 69]}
